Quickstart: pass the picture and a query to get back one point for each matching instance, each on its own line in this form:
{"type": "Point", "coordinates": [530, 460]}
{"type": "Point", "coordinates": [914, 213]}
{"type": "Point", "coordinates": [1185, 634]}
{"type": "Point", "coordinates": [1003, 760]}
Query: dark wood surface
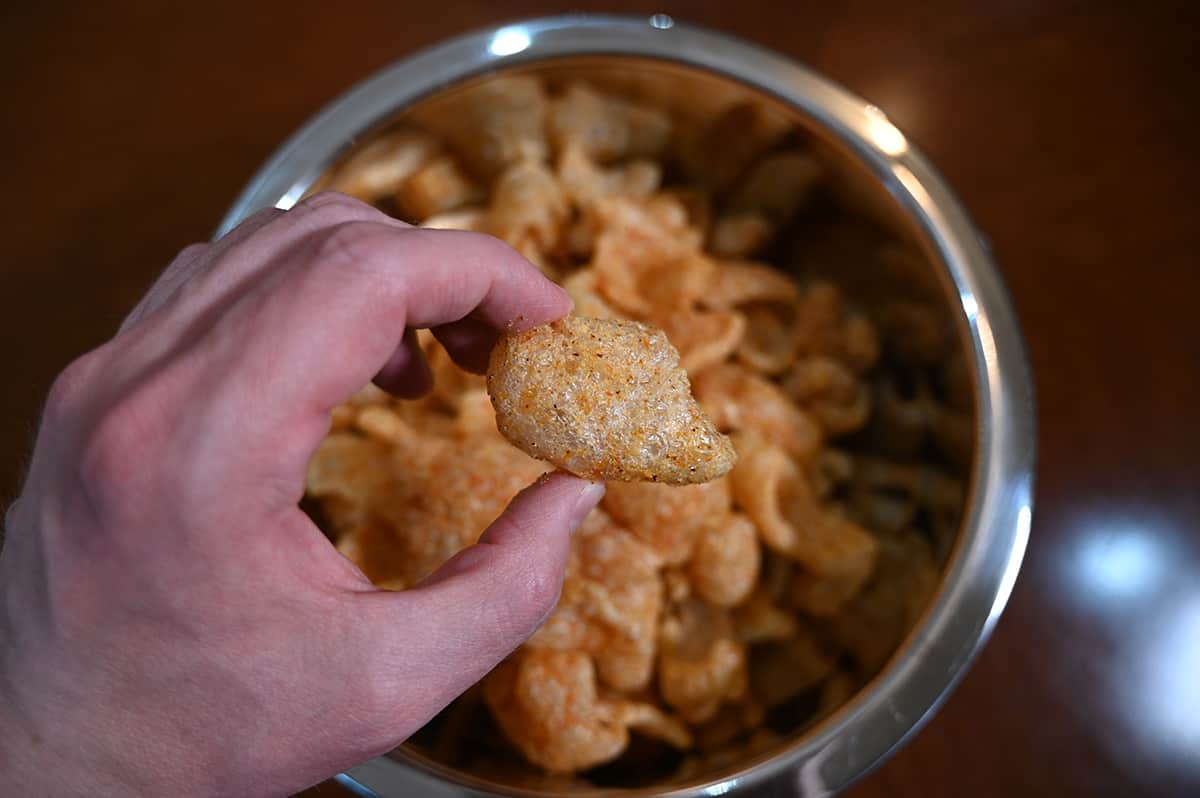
{"type": "Point", "coordinates": [1067, 127]}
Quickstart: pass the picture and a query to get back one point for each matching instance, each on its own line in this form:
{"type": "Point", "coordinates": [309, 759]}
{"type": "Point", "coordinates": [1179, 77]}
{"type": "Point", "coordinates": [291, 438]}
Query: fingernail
{"type": "Point", "coordinates": [588, 498]}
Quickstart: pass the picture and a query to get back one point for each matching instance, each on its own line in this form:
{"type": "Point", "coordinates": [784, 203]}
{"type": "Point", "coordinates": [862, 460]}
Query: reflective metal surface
{"type": "Point", "coordinates": [983, 569]}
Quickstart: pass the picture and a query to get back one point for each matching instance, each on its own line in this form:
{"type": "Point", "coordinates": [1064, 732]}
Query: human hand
{"type": "Point", "coordinates": [173, 624]}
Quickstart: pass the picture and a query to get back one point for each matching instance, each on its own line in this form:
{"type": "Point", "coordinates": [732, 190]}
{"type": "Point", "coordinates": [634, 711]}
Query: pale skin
{"type": "Point", "coordinates": [172, 622]}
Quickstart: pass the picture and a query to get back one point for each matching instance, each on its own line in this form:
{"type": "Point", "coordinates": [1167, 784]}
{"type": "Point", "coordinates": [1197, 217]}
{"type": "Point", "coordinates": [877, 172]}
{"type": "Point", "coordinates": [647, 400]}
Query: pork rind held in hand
{"type": "Point", "coordinates": [604, 399]}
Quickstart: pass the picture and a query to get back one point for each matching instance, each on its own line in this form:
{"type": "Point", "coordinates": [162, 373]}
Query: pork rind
{"type": "Point", "coordinates": [381, 168]}
{"type": "Point", "coordinates": [836, 555]}
{"type": "Point", "coordinates": [738, 400]}
{"type": "Point", "coordinates": [527, 205]}
{"type": "Point", "coordinates": [702, 664]}
{"type": "Point", "coordinates": [724, 565]}
{"type": "Point", "coordinates": [427, 500]}
{"type": "Point", "coordinates": [668, 518]}
{"type": "Point", "coordinates": [494, 123]}
{"type": "Point", "coordinates": [873, 624]}
{"type": "Point", "coordinates": [645, 259]}
{"type": "Point", "coordinates": [760, 620]}
{"type": "Point", "coordinates": [888, 496]}
{"type": "Point", "coordinates": [830, 391]}
{"type": "Point", "coordinates": [437, 186]}
{"type": "Point", "coordinates": [704, 338]}
{"type": "Point", "coordinates": [585, 182]}
{"type": "Point", "coordinates": [610, 604]}
{"type": "Point", "coordinates": [472, 219]}
{"type": "Point", "coordinates": [777, 186]}
{"type": "Point", "coordinates": [781, 671]}
{"type": "Point", "coordinates": [740, 235]}
{"type": "Point", "coordinates": [607, 127]}
{"type": "Point", "coordinates": [740, 282]}
{"type": "Point", "coordinates": [547, 703]}
{"type": "Point", "coordinates": [719, 153]}
{"type": "Point", "coordinates": [604, 399]}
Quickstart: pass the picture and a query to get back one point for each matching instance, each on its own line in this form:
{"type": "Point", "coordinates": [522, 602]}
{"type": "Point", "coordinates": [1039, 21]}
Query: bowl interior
{"type": "Point", "coordinates": [919, 451]}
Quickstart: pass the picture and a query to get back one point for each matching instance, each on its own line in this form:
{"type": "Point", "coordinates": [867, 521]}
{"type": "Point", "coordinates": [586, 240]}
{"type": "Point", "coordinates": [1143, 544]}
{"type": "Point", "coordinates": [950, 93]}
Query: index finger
{"type": "Point", "coordinates": [328, 321]}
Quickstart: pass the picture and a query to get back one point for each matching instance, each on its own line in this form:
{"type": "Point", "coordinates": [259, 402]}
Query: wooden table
{"type": "Point", "coordinates": [1069, 130]}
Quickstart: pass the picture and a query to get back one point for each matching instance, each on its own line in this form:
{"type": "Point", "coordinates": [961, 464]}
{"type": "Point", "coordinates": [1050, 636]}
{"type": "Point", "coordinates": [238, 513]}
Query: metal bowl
{"type": "Point", "coordinates": [694, 67]}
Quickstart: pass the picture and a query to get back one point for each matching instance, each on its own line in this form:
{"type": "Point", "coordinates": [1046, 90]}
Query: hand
{"type": "Point", "coordinates": [173, 624]}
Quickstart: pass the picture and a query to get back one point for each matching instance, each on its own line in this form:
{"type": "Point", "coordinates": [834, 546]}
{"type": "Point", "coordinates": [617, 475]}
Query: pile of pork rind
{"type": "Point", "coordinates": [698, 625]}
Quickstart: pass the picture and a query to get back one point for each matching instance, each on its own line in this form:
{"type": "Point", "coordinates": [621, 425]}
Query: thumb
{"type": "Point", "coordinates": [451, 629]}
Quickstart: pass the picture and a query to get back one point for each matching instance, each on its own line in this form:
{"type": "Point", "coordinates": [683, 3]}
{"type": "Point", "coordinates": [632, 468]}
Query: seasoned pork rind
{"type": "Point", "coordinates": [611, 599]}
{"type": "Point", "coordinates": [494, 123]}
{"type": "Point", "coordinates": [427, 499]}
{"type": "Point", "coordinates": [781, 671]}
{"type": "Point", "coordinates": [738, 400]}
{"type": "Point", "coordinates": [836, 554]}
{"type": "Point", "coordinates": [724, 565]}
{"type": "Point", "coordinates": [437, 186]}
{"type": "Point", "coordinates": [585, 182]}
{"type": "Point", "coordinates": [889, 495]}
{"type": "Point", "coordinates": [740, 235]}
{"type": "Point", "coordinates": [705, 338]}
{"type": "Point", "coordinates": [604, 399]}
{"type": "Point", "coordinates": [740, 282]}
{"type": "Point", "coordinates": [719, 153]}
{"type": "Point", "coordinates": [581, 287]}
{"type": "Point", "coordinates": [471, 219]}
{"type": "Point", "coordinates": [830, 391]}
{"type": "Point", "coordinates": [381, 168]}
{"type": "Point", "coordinates": [760, 620]}
{"type": "Point", "coordinates": [607, 127]}
{"type": "Point", "coordinates": [668, 518]}
{"type": "Point", "coordinates": [701, 664]}
{"type": "Point", "coordinates": [548, 705]}
{"type": "Point", "coordinates": [527, 205]}
{"type": "Point", "coordinates": [645, 260]}
{"type": "Point", "coordinates": [777, 186]}
{"type": "Point", "coordinates": [873, 624]}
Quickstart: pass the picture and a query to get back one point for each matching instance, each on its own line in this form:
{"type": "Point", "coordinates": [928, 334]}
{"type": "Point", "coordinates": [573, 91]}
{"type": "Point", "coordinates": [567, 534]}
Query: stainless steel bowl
{"type": "Point", "coordinates": [885, 171]}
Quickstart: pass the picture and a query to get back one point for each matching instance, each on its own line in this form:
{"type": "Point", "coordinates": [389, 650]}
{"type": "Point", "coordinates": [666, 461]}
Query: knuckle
{"type": "Point", "coordinates": [106, 448]}
{"type": "Point", "coordinates": [330, 207]}
{"type": "Point", "coordinates": [542, 588]}
{"type": "Point", "coordinates": [119, 446]}
{"type": "Point", "coordinates": [194, 250]}
{"type": "Point", "coordinates": [71, 388]}
{"type": "Point", "coordinates": [483, 244]}
{"type": "Point", "coordinates": [345, 244]}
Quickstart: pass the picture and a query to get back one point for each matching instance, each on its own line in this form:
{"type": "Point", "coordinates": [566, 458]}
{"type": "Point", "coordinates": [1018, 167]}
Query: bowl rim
{"type": "Point", "coordinates": [981, 573]}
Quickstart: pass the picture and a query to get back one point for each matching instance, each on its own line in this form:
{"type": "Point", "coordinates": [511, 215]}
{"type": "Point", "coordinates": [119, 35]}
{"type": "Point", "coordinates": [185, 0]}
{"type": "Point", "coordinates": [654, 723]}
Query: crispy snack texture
{"type": "Point", "coordinates": [604, 399]}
